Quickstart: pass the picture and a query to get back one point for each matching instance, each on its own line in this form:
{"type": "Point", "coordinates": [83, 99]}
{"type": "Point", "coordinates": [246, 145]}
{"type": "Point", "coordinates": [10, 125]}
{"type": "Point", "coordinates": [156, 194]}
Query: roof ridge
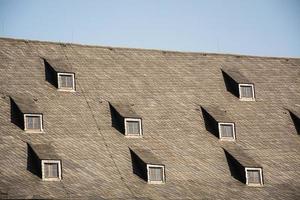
{"type": "Point", "coordinates": [147, 49]}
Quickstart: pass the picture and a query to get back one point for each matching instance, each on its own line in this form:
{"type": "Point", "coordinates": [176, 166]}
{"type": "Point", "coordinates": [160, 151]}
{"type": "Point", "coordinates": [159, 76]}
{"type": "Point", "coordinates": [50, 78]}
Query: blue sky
{"type": "Point", "coordinates": [254, 27]}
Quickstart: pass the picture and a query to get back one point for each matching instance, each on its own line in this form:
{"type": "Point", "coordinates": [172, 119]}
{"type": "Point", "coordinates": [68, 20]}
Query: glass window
{"type": "Point", "coordinates": [133, 127]}
{"type": "Point", "coordinates": [246, 91]}
{"type": "Point", "coordinates": [51, 170]}
{"type": "Point", "coordinates": [226, 130]}
{"type": "Point", "coordinates": [66, 81]}
{"type": "Point", "coordinates": [253, 176]}
{"type": "Point", "coordinates": [33, 122]}
{"type": "Point", "coordinates": [156, 174]}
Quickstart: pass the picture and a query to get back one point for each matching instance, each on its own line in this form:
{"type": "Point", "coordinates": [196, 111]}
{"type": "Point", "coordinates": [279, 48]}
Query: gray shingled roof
{"type": "Point", "coordinates": [125, 110]}
{"type": "Point", "coordinates": [166, 89]}
{"type": "Point", "coordinates": [44, 151]}
{"type": "Point", "coordinates": [236, 75]}
{"type": "Point", "coordinates": [238, 153]}
{"type": "Point", "coordinates": [60, 65]}
{"type": "Point", "coordinates": [146, 155]}
{"type": "Point", "coordinates": [219, 114]}
{"type": "Point", "coordinates": [25, 104]}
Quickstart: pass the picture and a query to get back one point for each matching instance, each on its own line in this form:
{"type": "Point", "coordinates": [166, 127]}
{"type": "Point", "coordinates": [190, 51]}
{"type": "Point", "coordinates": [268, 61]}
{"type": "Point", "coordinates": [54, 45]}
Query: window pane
{"type": "Point", "coordinates": [246, 92]}
{"type": "Point", "coordinates": [226, 130]}
{"type": "Point", "coordinates": [133, 127]}
{"type": "Point", "coordinates": [253, 176]}
{"type": "Point", "coordinates": [33, 122]}
{"type": "Point", "coordinates": [51, 170]}
{"type": "Point", "coordinates": [155, 174]}
{"type": "Point", "coordinates": [66, 81]}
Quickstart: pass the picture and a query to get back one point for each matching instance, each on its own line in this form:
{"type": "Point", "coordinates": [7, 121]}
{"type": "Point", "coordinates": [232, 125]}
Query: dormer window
{"type": "Point", "coordinates": [147, 166]}
{"type": "Point", "coordinates": [156, 174]}
{"type": "Point", "coordinates": [60, 74]}
{"type": "Point", "coordinates": [226, 131]}
{"type": "Point", "coordinates": [66, 81]}
{"type": "Point", "coordinates": [26, 114]}
{"type": "Point", "coordinates": [219, 123]}
{"type": "Point", "coordinates": [237, 84]}
{"type": "Point", "coordinates": [243, 167]}
{"type": "Point", "coordinates": [51, 170]}
{"type": "Point", "coordinates": [125, 120]}
{"type": "Point", "coordinates": [246, 92]}
{"type": "Point", "coordinates": [133, 127]}
{"type": "Point", "coordinates": [254, 176]}
{"type": "Point", "coordinates": [33, 122]}
{"type": "Point", "coordinates": [45, 162]}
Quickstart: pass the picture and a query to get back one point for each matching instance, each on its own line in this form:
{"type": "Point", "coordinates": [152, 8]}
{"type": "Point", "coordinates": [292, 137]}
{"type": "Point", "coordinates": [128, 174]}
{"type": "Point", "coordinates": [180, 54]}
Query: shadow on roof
{"type": "Point", "coordinates": [15, 114]}
{"type": "Point", "coordinates": [236, 169]}
{"type": "Point", "coordinates": [211, 125]}
{"type": "Point", "coordinates": [138, 166]}
{"type": "Point", "coordinates": [33, 162]}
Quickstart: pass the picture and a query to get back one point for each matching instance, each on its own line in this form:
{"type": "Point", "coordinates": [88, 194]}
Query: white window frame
{"type": "Point", "coordinates": [65, 89]}
{"type": "Point", "coordinates": [260, 174]}
{"type": "Point", "coordinates": [253, 92]}
{"type": "Point", "coordinates": [140, 126]}
{"type": "Point", "coordinates": [59, 170]}
{"type": "Point", "coordinates": [33, 130]}
{"type": "Point", "coordinates": [220, 132]}
{"type": "Point", "coordinates": [163, 173]}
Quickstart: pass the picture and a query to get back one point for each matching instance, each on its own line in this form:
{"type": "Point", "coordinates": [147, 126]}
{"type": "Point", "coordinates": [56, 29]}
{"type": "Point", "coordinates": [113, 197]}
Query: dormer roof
{"type": "Point", "coordinates": [238, 153]}
{"type": "Point", "coordinates": [125, 110]}
{"type": "Point", "coordinates": [44, 151]}
{"type": "Point", "coordinates": [25, 104]}
{"type": "Point", "coordinates": [295, 111]}
{"type": "Point", "coordinates": [217, 113]}
{"type": "Point", "coordinates": [60, 65]}
{"type": "Point", "coordinates": [146, 156]}
{"type": "Point", "coordinates": [236, 75]}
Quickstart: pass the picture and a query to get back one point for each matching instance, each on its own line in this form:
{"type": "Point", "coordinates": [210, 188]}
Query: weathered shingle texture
{"type": "Point", "coordinates": [166, 89]}
{"type": "Point", "coordinates": [44, 151]}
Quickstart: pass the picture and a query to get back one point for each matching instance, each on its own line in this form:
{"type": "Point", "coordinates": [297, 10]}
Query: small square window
{"type": "Point", "coordinates": [156, 174]}
{"type": "Point", "coordinates": [246, 91]}
{"type": "Point", "coordinates": [254, 176]}
{"type": "Point", "coordinates": [51, 170]}
{"type": "Point", "coordinates": [66, 81]}
{"type": "Point", "coordinates": [226, 131]}
{"type": "Point", "coordinates": [33, 122]}
{"type": "Point", "coordinates": [133, 127]}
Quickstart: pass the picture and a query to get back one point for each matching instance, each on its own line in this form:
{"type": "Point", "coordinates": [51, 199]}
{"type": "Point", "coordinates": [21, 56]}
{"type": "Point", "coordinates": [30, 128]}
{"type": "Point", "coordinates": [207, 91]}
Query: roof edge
{"type": "Point", "coordinates": [146, 49]}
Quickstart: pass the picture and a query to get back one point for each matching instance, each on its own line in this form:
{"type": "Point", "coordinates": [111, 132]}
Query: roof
{"type": "Point", "coordinates": [125, 110]}
{"type": "Point", "coordinates": [219, 114]}
{"type": "Point", "coordinates": [146, 155]}
{"type": "Point", "coordinates": [295, 110]}
{"type": "Point", "coordinates": [26, 104]}
{"type": "Point", "coordinates": [44, 151]}
{"type": "Point", "coordinates": [236, 75]}
{"type": "Point", "coordinates": [166, 89]}
{"type": "Point", "coordinates": [238, 153]}
{"type": "Point", "coordinates": [60, 65]}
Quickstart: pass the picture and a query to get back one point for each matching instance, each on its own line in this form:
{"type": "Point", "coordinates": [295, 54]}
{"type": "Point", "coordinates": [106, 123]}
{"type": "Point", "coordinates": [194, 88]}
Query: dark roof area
{"type": "Point", "coordinates": [44, 151]}
{"type": "Point", "coordinates": [125, 110]}
{"type": "Point", "coordinates": [236, 75]}
{"type": "Point", "coordinates": [295, 110]}
{"type": "Point", "coordinates": [146, 155]}
{"type": "Point", "coordinates": [25, 104]}
{"type": "Point", "coordinates": [166, 89]}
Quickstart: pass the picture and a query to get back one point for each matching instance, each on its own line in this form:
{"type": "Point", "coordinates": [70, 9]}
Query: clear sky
{"type": "Point", "coordinates": [255, 27]}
